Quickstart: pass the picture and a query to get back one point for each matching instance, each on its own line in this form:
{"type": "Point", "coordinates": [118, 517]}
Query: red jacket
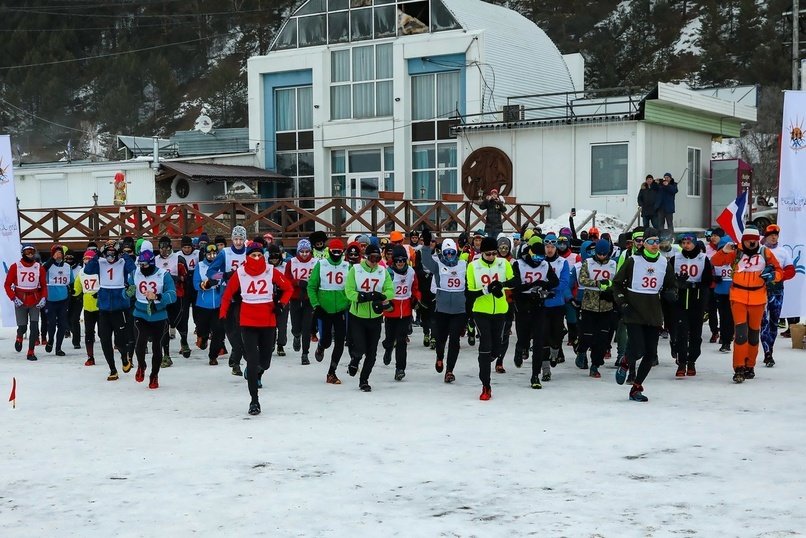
{"type": "Point", "coordinates": [32, 297]}
{"type": "Point", "coordinates": [255, 314]}
{"type": "Point", "coordinates": [403, 307]}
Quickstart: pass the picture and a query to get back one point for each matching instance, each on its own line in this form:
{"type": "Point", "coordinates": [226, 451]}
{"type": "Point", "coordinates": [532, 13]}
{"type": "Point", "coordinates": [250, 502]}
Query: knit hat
{"type": "Point", "coordinates": [363, 238]}
{"type": "Point", "coordinates": [303, 244]}
{"type": "Point", "coordinates": [335, 244]}
{"type": "Point", "coordinates": [222, 239]}
{"type": "Point", "coordinates": [165, 241]}
{"type": "Point", "coordinates": [603, 247]}
{"type": "Point", "coordinates": [534, 240]}
{"type": "Point", "coordinates": [55, 248]}
{"type": "Point", "coordinates": [204, 238]}
{"type": "Point", "coordinates": [449, 244]}
{"type": "Point", "coordinates": [186, 241]}
{"type": "Point", "coordinates": [89, 254]}
{"type": "Point", "coordinates": [551, 236]}
{"type": "Point", "coordinates": [565, 232]}
{"type": "Point", "coordinates": [253, 246]}
{"type": "Point", "coordinates": [317, 237]}
{"type": "Point", "coordinates": [146, 256]}
{"type": "Point", "coordinates": [537, 248]}
{"type": "Point", "coordinates": [504, 241]}
{"type": "Point", "coordinates": [651, 232]}
{"type": "Point", "coordinates": [238, 232]}
{"type": "Point", "coordinates": [146, 245]}
{"type": "Point", "coordinates": [399, 252]}
{"type": "Point", "coordinates": [372, 249]}
{"type": "Point", "coordinates": [488, 244]}
{"type": "Point", "coordinates": [751, 233]}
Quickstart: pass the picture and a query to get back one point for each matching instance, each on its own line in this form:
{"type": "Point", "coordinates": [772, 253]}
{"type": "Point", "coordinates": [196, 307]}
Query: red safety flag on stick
{"type": "Point", "coordinates": [13, 397]}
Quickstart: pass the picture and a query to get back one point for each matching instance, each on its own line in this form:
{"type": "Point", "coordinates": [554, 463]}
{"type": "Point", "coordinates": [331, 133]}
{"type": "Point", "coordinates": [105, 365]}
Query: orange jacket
{"type": "Point", "coordinates": [748, 287]}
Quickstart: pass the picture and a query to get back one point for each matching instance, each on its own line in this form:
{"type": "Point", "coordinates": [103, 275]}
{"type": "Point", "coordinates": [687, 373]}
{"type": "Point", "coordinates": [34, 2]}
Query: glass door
{"type": "Point", "coordinates": [361, 188]}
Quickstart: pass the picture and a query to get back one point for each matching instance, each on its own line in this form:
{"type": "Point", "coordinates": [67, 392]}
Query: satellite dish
{"type": "Point", "coordinates": [203, 124]}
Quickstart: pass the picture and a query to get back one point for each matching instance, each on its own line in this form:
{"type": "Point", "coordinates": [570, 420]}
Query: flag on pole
{"type": "Point", "coordinates": [732, 218]}
{"type": "Point", "coordinates": [13, 397]}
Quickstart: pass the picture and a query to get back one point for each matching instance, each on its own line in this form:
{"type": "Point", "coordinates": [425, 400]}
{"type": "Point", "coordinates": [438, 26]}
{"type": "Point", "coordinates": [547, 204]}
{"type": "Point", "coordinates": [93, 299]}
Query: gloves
{"type": "Point", "coordinates": [377, 307]}
{"type": "Point", "coordinates": [604, 284]}
{"type": "Point", "coordinates": [130, 291]}
{"type": "Point", "coordinates": [377, 296]}
{"type": "Point", "coordinates": [41, 303]}
{"type": "Point", "coordinates": [496, 288]}
{"type": "Point", "coordinates": [670, 295]}
{"type": "Point", "coordinates": [682, 278]}
{"type": "Point", "coordinates": [768, 274]}
{"type": "Point", "coordinates": [94, 295]}
{"type": "Point", "coordinates": [18, 301]}
{"type": "Point", "coordinates": [364, 297]}
{"type": "Point", "coordinates": [426, 237]}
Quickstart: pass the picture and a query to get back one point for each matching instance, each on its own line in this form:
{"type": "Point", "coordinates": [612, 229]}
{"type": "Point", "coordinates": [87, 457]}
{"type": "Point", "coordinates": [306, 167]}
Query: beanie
{"type": "Point", "coordinates": [303, 244]}
{"type": "Point", "coordinates": [603, 247]}
{"type": "Point", "coordinates": [488, 244]}
{"type": "Point", "coordinates": [253, 246]}
{"type": "Point", "coordinates": [186, 241]}
{"type": "Point", "coordinates": [372, 249]}
{"type": "Point", "coordinates": [399, 252]}
{"type": "Point", "coordinates": [335, 244]}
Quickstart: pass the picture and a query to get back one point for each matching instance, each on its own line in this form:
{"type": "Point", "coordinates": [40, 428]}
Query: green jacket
{"type": "Point", "coordinates": [486, 303]}
{"type": "Point", "coordinates": [332, 301]}
{"type": "Point", "coordinates": [364, 310]}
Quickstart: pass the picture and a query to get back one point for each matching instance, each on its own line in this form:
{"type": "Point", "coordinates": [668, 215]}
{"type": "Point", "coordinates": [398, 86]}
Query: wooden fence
{"type": "Point", "coordinates": [289, 219]}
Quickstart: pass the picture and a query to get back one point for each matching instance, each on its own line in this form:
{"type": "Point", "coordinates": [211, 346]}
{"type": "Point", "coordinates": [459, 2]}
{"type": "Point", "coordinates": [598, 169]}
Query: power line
{"type": "Point", "coordinates": [38, 117]}
{"type": "Point", "coordinates": [135, 15]}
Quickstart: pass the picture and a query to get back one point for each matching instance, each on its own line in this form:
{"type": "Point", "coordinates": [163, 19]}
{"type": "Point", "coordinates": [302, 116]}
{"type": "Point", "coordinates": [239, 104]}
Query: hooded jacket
{"type": "Point", "coordinates": [447, 302]}
{"type": "Point", "coordinates": [332, 275]}
{"type": "Point", "coordinates": [256, 314]}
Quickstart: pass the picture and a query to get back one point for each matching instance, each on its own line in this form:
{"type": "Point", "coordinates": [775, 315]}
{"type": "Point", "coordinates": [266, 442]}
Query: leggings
{"type": "Point", "coordinates": [281, 316]}
{"type": "Point", "coordinates": [301, 316]}
{"type": "Point", "coordinates": [644, 346]}
{"type": "Point", "coordinates": [508, 322]}
{"type": "Point", "coordinates": [233, 329]}
{"type": "Point", "coordinates": [74, 315]}
{"type": "Point", "coordinates": [174, 311]}
{"type": "Point", "coordinates": [90, 321]}
{"type": "Point", "coordinates": [28, 315]}
{"type": "Point", "coordinates": [769, 321]}
{"type": "Point", "coordinates": [366, 332]}
{"type": "Point", "coordinates": [397, 330]}
{"type": "Point", "coordinates": [58, 321]}
{"type": "Point", "coordinates": [112, 324]}
{"type": "Point", "coordinates": [530, 331]}
{"type": "Point", "coordinates": [182, 323]}
{"type": "Point", "coordinates": [258, 344]}
{"type": "Point", "coordinates": [747, 320]}
{"type": "Point", "coordinates": [332, 330]}
{"type": "Point", "coordinates": [448, 328]}
{"type": "Point", "coordinates": [157, 332]}
{"type": "Point", "coordinates": [210, 327]}
{"type": "Point", "coordinates": [490, 330]}
{"type": "Point", "coordinates": [726, 319]}
{"type": "Point", "coordinates": [688, 327]}
{"type": "Point", "coordinates": [714, 314]}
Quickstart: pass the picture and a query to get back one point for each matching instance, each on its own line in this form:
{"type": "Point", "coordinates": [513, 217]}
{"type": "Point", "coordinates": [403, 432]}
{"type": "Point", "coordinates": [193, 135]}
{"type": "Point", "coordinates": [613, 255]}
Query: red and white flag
{"type": "Point", "coordinates": [13, 397]}
{"type": "Point", "coordinates": [732, 218]}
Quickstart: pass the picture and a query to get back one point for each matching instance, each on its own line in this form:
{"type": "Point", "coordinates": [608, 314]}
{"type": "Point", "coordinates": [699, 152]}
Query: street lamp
{"type": "Point", "coordinates": [95, 198]}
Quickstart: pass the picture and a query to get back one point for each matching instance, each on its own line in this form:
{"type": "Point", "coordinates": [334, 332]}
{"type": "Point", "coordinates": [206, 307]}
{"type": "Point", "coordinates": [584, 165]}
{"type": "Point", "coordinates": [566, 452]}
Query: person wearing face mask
{"type": "Point", "coordinates": [398, 318]}
{"type": "Point", "coordinates": [713, 237]}
{"type": "Point", "coordinates": [694, 275]}
{"type": "Point", "coordinates": [595, 279]}
{"type": "Point", "coordinates": [369, 289]}
{"type": "Point", "coordinates": [256, 280]}
{"type": "Point", "coordinates": [775, 293]}
{"type": "Point", "coordinates": [329, 302]}
{"type": "Point", "coordinates": [723, 278]}
{"type": "Point", "coordinates": [174, 263]}
{"type": "Point", "coordinates": [274, 256]}
{"type": "Point", "coordinates": [191, 255]}
{"type": "Point", "coordinates": [486, 279]}
{"type": "Point", "coordinates": [753, 268]}
{"type": "Point", "coordinates": [74, 302]}
{"type": "Point", "coordinates": [505, 252]}
{"type": "Point", "coordinates": [634, 245]}
{"type": "Point", "coordinates": [450, 305]}
{"type": "Point", "coordinates": [637, 286]}
{"type": "Point", "coordinates": [353, 253]}
{"type": "Point", "coordinates": [224, 266]}
{"type": "Point", "coordinates": [555, 306]}
{"type": "Point", "coordinates": [298, 273]}
{"type": "Point", "coordinates": [564, 250]}
{"type": "Point", "coordinates": [85, 288]}
{"type": "Point", "coordinates": [153, 289]}
{"type": "Point", "coordinates": [27, 287]}
{"type": "Point", "coordinates": [534, 278]}
{"type": "Point", "coordinates": [60, 279]}
{"type": "Point", "coordinates": [209, 329]}
{"type": "Point", "coordinates": [113, 269]}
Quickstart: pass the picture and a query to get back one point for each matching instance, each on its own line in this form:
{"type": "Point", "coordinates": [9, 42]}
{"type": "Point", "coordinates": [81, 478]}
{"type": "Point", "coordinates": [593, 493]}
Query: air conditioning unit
{"type": "Point", "coordinates": [513, 113]}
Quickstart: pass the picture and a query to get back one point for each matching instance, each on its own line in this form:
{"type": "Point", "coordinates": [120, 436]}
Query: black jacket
{"type": "Point", "coordinates": [649, 199]}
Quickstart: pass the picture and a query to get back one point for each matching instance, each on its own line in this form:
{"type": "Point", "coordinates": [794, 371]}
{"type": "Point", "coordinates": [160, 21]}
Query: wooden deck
{"type": "Point", "coordinates": [289, 219]}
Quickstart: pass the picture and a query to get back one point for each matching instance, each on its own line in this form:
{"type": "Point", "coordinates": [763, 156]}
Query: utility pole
{"type": "Point", "coordinates": [795, 43]}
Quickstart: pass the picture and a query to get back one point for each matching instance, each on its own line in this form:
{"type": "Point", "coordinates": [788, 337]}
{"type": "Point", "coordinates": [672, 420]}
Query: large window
{"type": "Point", "coordinates": [434, 105]}
{"type": "Point", "coordinates": [319, 22]}
{"type": "Point", "coordinates": [293, 110]}
{"type": "Point", "coordinates": [361, 82]}
{"type": "Point", "coordinates": [609, 171]}
{"type": "Point", "coordinates": [694, 171]}
{"type": "Point", "coordinates": [434, 170]}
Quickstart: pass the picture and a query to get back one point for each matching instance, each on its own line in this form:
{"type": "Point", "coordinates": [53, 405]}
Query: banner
{"type": "Point", "coordinates": [792, 200]}
{"type": "Point", "coordinates": [9, 226]}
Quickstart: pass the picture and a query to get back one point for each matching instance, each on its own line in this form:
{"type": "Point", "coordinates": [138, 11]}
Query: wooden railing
{"type": "Point", "coordinates": [286, 218]}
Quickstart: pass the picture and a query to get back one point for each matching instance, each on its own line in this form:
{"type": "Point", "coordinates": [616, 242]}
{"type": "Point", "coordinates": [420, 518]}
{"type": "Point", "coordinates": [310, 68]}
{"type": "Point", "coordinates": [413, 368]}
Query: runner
{"type": "Point", "coordinates": [175, 265]}
{"type": "Point", "coordinates": [60, 279]}
{"type": "Point", "coordinates": [86, 287]}
{"type": "Point", "coordinates": [209, 328]}
{"type": "Point", "coordinates": [398, 318]}
{"type": "Point", "coordinates": [595, 278]}
{"type": "Point", "coordinates": [775, 293]}
{"type": "Point", "coordinates": [27, 287]}
{"type": "Point", "coordinates": [275, 257]}
{"type": "Point", "coordinates": [298, 273]}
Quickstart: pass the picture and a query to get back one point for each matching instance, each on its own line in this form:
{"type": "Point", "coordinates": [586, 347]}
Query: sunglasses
{"type": "Point", "coordinates": [374, 257]}
{"type": "Point", "coordinates": [638, 240]}
{"type": "Point", "coordinates": [653, 241]}
{"type": "Point", "coordinates": [550, 241]}
{"type": "Point", "coordinates": [400, 260]}
{"type": "Point", "coordinates": [450, 252]}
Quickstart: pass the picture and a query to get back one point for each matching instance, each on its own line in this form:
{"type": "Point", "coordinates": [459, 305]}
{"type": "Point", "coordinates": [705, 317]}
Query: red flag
{"type": "Point", "coordinates": [13, 397]}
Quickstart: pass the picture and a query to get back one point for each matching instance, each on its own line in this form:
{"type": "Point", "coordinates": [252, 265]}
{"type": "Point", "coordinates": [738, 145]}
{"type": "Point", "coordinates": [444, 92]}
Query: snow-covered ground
{"type": "Point", "coordinates": [418, 458]}
{"type": "Point", "coordinates": [606, 223]}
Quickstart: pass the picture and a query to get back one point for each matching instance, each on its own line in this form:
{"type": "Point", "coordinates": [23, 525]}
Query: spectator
{"type": "Point", "coordinates": [494, 205]}
{"type": "Point", "coordinates": [648, 200]}
{"type": "Point", "coordinates": [668, 190]}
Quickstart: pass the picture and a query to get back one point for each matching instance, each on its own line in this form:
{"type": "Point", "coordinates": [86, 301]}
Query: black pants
{"type": "Point", "coordinates": [301, 316]}
{"type": "Point", "coordinates": [426, 319]}
{"type": "Point", "coordinates": [233, 330]}
{"type": "Point", "coordinates": [129, 334]}
{"type": "Point", "coordinates": [555, 316]}
{"type": "Point", "coordinates": [596, 332]}
{"type": "Point", "coordinates": [490, 332]}
{"type": "Point", "coordinates": [113, 324]}
{"type": "Point", "coordinates": [333, 330]}
{"type": "Point", "coordinates": [58, 322]}
{"type": "Point", "coordinates": [530, 332]}
{"type": "Point", "coordinates": [76, 304]}
{"type": "Point", "coordinates": [184, 316]}
{"type": "Point", "coordinates": [156, 331]}
{"type": "Point", "coordinates": [509, 320]}
{"type": "Point", "coordinates": [174, 311]}
{"type": "Point", "coordinates": [448, 328]}
{"type": "Point", "coordinates": [726, 317]}
{"type": "Point", "coordinates": [210, 327]}
{"type": "Point", "coordinates": [258, 344]}
{"type": "Point", "coordinates": [281, 316]}
{"type": "Point", "coordinates": [688, 320]}
{"type": "Point", "coordinates": [713, 309]}
{"type": "Point", "coordinates": [397, 330]}
{"type": "Point", "coordinates": [364, 334]}
{"type": "Point", "coordinates": [643, 345]}
{"type": "Point", "coordinates": [90, 321]}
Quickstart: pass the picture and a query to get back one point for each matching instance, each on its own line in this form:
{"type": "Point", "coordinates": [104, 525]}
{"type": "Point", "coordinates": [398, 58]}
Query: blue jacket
{"type": "Point", "coordinates": [723, 287]}
{"type": "Point", "coordinates": [59, 292]}
{"type": "Point", "coordinates": [219, 265]}
{"type": "Point", "coordinates": [666, 197]}
{"type": "Point", "coordinates": [111, 299]}
{"type": "Point", "coordinates": [209, 299]}
{"type": "Point", "coordinates": [563, 290]}
{"type": "Point", "coordinates": [158, 312]}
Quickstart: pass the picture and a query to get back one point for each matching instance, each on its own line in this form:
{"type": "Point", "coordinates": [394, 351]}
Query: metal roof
{"type": "Point", "coordinates": [518, 57]}
{"type": "Point", "coordinates": [216, 172]}
{"type": "Point", "coordinates": [229, 140]}
{"type": "Point", "coordinates": [140, 146]}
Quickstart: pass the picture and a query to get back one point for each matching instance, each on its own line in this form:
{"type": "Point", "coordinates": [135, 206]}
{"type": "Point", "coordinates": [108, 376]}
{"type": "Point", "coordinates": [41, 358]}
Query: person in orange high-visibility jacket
{"type": "Point", "coordinates": [753, 267]}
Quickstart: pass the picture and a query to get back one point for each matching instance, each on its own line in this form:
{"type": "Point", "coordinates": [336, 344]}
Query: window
{"type": "Point", "coordinates": [293, 123]}
{"type": "Point", "coordinates": [694, 171]}
{"type": "Point", "coordinates": [361, 82]}
{"type": "Point", "coordinates": [434, 170]}
{"type": "Point", "coordinates": [434, 101]}
{"type": "Point", "coordinates": [609, 169]}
